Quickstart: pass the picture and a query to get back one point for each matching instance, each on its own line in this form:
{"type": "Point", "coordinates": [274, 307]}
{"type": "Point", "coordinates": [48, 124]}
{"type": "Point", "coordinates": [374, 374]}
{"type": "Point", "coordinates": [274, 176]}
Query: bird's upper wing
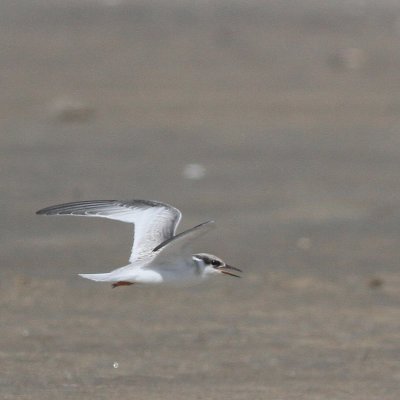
{"type": "Point", "coordinates": [178, 247]}
{"type": "Point", "coordinates": [154, 222]}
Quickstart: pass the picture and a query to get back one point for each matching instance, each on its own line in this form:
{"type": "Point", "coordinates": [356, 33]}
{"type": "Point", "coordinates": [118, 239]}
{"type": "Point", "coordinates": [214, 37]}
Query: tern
{"type": "Point", "coordinates": [158, 254]}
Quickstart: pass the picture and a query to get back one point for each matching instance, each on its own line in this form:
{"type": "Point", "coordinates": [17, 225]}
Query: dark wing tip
{"type": "Point", "coordinates": [86, 205]}
{"type": "Point", "coordinates": [52, 210]}
{"type": "Point", "coordinates": [43, 211]}
{"type": "Point", "coordinates": [211, 221]}
{"type": "Point", "coordinates": [179, 235]}
{"type": "Point", "coordinates": [72, 207]}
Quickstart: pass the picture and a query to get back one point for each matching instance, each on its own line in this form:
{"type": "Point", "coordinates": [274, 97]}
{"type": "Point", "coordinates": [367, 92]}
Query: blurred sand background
{"type": "Point", "coordinates": [293, 110]}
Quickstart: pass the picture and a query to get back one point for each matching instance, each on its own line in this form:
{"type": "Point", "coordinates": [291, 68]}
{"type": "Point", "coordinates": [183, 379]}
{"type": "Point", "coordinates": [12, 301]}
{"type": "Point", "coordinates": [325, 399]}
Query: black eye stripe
{"type": "Point", "coordinates": [209, 261]}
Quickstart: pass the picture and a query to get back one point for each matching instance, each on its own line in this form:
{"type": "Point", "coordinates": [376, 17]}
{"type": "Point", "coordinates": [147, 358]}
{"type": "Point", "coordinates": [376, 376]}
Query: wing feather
{"type": "Point", "coordinates": [155, 222]}
{"type": "Point", "coordinates": [179, 246]}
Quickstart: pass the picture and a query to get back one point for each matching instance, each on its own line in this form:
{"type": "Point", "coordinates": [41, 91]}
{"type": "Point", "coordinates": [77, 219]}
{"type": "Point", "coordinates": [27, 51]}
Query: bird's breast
{"type": "Point", "coordinates": [179, 272]}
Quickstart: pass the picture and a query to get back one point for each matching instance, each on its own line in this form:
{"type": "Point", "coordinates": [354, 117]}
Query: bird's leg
{"type": "Point", "coordinates": [122, 283]}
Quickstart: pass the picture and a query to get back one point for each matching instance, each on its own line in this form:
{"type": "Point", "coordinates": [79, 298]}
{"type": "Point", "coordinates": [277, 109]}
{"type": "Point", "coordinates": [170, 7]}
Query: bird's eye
{"type": "Point", "coordinates": [215, 262]}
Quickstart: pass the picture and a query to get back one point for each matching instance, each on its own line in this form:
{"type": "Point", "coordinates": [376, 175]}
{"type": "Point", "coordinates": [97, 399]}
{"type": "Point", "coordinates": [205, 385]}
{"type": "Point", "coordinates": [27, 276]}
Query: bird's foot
{"type": "Point", "coordinates": [122, 283]}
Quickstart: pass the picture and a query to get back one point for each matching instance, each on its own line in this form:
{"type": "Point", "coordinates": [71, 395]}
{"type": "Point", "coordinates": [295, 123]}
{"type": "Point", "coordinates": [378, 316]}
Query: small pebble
{"type": "Point", "coordinates": [194, 171]}
{"type": "Point", "coordinates": [70, 109]}
{"type": "Point", "coordinates": [303, 243]}
{"type": "Point", "coordinates": [349, 58]}
{"type": "Point", "coordinates": [25, 332]}
{"type": "Point", "coordinates": [375, 283]}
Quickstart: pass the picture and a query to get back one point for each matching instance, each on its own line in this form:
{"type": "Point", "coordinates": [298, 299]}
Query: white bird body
{"type": "Point", "coordinates": [180, 273]}
{"type": "Point", "coordinates": [158, 255]}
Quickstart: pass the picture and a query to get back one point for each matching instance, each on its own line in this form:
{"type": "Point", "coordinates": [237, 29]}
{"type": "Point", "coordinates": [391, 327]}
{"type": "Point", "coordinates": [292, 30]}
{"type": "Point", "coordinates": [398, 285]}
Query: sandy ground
{"type": "Point", "coordinates": [293, 110]}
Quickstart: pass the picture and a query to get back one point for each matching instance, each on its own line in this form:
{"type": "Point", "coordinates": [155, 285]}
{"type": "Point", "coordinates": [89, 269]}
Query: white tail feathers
{"type": "Point", "coordinates": [98, 277]}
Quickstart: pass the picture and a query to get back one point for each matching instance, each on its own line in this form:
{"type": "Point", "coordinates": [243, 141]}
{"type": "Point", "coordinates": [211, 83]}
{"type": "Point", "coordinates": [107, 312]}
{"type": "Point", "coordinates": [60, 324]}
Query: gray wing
{"type": "Point", "coordinates": [179, 246]}
{"type": "Point", "coordinates": [154, 222]}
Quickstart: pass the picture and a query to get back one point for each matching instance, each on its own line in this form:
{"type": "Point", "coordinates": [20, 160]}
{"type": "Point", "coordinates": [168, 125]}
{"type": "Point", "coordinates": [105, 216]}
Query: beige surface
{"type": "Point", "coordinates": [294, 112]}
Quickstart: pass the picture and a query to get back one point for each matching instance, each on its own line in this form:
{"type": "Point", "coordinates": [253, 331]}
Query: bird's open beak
{"type": "Point", "coordinates": [226, 269]}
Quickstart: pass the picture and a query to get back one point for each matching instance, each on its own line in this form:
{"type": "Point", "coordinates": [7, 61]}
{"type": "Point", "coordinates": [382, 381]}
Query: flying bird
{"type": "Point", "coordinates": [158, 254]}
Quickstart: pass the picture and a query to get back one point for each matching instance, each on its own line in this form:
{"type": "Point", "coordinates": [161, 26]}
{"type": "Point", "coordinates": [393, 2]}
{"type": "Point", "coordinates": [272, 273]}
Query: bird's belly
{"type": "Point", "coordinates": [178, 274]}
{"type": "Point", "coordinates": [148, 276]}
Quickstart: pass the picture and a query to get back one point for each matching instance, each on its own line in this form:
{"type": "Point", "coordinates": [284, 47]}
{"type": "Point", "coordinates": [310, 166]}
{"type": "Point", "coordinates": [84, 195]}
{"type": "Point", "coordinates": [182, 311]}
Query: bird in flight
{"type": "Point", "coordinates": [158, 254]}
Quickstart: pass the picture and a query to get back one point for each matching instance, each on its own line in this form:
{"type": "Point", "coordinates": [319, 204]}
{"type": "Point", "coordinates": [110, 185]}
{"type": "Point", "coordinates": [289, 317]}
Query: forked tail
{"type": "Point", "coordinates": [98, 277]}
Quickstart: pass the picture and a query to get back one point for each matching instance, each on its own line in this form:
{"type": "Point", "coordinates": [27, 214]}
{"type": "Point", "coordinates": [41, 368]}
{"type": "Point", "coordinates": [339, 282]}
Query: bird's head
{"type": "Point", "coordinates": [213, 265]}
